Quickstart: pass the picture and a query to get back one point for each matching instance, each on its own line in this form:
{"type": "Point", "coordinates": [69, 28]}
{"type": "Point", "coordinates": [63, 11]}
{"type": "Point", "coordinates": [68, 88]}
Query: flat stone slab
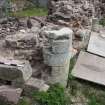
{"type": "Point", "coordinates": [96, 44]}
{"type": "Point", "coordinates": [90, 67]}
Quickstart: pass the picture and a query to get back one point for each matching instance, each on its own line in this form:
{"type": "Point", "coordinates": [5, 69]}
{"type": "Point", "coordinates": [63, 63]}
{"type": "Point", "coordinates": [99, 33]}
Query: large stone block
{"type": "Point", "coordinates": [9, 94]}
{"type": "Point", "coordinates": [55, 59]}
{"type": "Point", "coordinates": [90, 67]}
{"type": "Point", "coordinates": [14, 70]}
{"type": "Point", "coordinates": [34, 84]}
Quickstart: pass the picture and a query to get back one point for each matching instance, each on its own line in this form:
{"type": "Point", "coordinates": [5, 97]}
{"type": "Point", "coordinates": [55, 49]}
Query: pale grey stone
{"type": "Point", "coordinates": [71, 10]}
{"type": "Point", "coordinates": [58, 54]}
{"type": "Point", "coordinates": [14, 70]}
{"type": "Point", "coordinates": [10, 94]}
{"type": "Point", "coordinates": [95, 24]}
{"type": "Point", "coordinates": [55, 59]}
{"type": "Point", "coordinates": [63, 33]}
{"type": "Point", "coordinates": [60, 46]}
{"type": "Point", "coordinates": [90, 67]}
{"type": "Point", "coordinates": [59, 74]}
{"type": "Point", "coordinates": [96, 44]}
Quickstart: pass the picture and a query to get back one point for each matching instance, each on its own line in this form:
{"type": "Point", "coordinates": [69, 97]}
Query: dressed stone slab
{"type": "Point", "coordinates": [90, 67]}
{"type": "Point", "coordinates": [97, 44]}
{"type": "Point", "coordinates": [15, 70]}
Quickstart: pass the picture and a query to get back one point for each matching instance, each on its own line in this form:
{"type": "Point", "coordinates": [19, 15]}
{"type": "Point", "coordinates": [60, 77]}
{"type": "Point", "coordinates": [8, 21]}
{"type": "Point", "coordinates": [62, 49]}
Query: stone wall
{"type": "Point", "coordinates": [80, 10]}
{"type": "Point", "coordinates": [99, 8]}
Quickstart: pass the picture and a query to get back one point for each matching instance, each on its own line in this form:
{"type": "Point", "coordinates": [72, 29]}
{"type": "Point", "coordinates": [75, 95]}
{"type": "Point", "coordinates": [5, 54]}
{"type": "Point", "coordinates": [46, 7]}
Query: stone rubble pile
{"type": "Point", "coordinates": [21, 41]}
{"type": "Point", "coordinates": [99, 8]}
{"type": "Point", "coordinates": [69, 10]}
{"type": "Point", "coordinates": [10, 26]}
{"type": "Point", "coordinates": [77, 10]}
{"type": "Point", "coordinates": [16, 78]}
{"type": "Point", "coordinates": [25, 45]}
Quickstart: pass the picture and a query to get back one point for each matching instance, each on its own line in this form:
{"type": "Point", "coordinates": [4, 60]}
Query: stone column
{"type": "Point", "coordinates": [58, 54]}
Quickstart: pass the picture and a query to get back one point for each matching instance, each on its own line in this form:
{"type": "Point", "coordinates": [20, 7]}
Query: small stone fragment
{"type": "Point", "coordinates": [34, 84]}
{"type": "Point", "coordinates": [10, 94]}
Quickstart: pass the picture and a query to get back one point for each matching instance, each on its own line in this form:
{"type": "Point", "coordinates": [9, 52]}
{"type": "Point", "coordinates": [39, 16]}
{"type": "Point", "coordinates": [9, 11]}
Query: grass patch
{"type": "Point", "coordinates": [35, 11]}
{"type": "Point", "coordinates": [71, 83]}
{"type": "Point", "coordinates": [54, 96]}
{"type": "Point", "coordinates": [92, 101]}
{"type": "Point", "coordinates": [92, 93]}
{"type": "Point", "coordinates": [24, 101]}
{"type": "Point", "coordinates": [72, 63]}
{"type": "Point", "coordinates": [102, 22]}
